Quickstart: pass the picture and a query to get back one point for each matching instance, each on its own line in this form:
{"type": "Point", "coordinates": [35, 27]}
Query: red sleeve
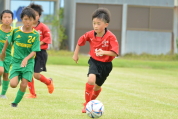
{"type": "Point", "coordinates": [82, 40]}
{"type": "Point", "coordinates": [46, 35]}
{"type": "Point", "coordinates": [114, 45]}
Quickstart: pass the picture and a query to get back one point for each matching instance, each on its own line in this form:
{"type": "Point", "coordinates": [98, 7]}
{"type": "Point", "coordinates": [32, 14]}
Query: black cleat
{"type": "Point", "coordinates": [14, 105]}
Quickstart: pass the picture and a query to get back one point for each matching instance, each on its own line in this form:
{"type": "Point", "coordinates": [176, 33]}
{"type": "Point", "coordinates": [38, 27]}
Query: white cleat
{"type": "Point", "coordinates": [3, 97]}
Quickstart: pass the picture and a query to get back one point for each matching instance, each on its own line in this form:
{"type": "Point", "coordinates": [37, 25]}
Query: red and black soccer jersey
{"type": "Point", "coordinates": [45, 35]}
{"type": "Point", "coordinates": [108, 43]}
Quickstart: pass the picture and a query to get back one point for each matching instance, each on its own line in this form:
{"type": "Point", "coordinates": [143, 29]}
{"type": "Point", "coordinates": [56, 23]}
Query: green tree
{"type": "Point", "coordinates": [58, 30]}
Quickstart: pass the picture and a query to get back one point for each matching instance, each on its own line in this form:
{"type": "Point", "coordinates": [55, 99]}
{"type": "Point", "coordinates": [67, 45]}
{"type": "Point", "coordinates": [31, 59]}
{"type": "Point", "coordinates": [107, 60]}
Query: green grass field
{"type": "Point", "coordinates": [128, 61]}
{"type": "Point", "coordinates": [128, 93]}
{"type": "Point", "coordinates": [139, 87]}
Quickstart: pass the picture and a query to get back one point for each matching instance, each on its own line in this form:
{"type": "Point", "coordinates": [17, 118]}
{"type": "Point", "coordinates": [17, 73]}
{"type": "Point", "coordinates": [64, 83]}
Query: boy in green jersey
{"type": "Point", "coordinates": [26, 43]}
{"type": "Point", "coordinates": [5, 29]}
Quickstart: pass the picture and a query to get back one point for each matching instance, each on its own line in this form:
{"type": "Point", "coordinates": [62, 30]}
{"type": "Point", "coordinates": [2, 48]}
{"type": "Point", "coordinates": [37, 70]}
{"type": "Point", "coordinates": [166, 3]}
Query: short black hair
{"type": "Point", "coordinates": [29, 12]}
{"type": "Point", "coordinates": [37, 8]}
{"type": "Point", "coordinates": [7, 11]}
{"type": "Point", "coordinates": [102, 13]}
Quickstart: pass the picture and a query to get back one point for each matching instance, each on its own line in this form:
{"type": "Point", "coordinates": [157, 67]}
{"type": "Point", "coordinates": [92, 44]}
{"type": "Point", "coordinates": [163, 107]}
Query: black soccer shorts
{"type": "Point", "coordinates": [100, 69]}
{"type": "Point", "coordinates": [40, 61]}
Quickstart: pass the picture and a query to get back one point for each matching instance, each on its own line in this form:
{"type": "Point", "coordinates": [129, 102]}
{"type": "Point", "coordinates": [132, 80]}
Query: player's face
{"type": "Point", "coordinates": [27, 21]}
{"type": "Point", "coordinates": [37, 17]}
{"type": "Point", "coordinates": [7, 19]}
{"type": "Point", "coordinates": [99, 26]}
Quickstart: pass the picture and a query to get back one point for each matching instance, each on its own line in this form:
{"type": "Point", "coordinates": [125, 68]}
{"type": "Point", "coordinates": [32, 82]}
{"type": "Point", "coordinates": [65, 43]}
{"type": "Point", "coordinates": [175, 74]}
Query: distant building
{"type": "Point", "coordinates": [141, 26]}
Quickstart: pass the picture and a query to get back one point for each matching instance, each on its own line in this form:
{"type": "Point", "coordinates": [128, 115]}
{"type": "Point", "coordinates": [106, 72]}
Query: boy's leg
{"type": "Point", "coordinates": [96, 93]}
{"type": "Point", "coordinates": [21, 92]}
{"type": "Point", "coordinates": [1, 70]}
{"type": "Point", "coordinates": [4, 89]}
{"type": "Point", "coordinates": [5, 85]}
{"type": "Point", "coordinates": [40, 65]}
{"type": "Point", "coordinates": [13, 83]}
{"type": "Point", "coordinates": [18, 98]}
{"type": "Point", "coordinates": [47, 81]}
{"type": "Point", "coordinates": [88, 94]}
{"type": "Point", "coordinates": [31, 89]}
{"type": "Point", "coordinates": [0, 80]}
{"type": "Point", "coordinates": [89, 90]}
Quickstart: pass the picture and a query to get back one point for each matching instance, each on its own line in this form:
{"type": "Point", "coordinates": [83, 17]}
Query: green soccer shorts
{"type": "Point", "coordinates": [6, 66]}
{"type": "Point", "coordinates": [21, 72]}
{"type": "Point", "coordinates": [1, 64]}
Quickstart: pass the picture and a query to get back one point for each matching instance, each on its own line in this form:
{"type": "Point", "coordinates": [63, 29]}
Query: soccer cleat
{"type": "Point", "coordinates": [84, 108]}
{"type": "Point", "coordinates": [3, 97]}
{"type": "Point", "coordinates": [28, 94]}
{"type": "Point", "coordinates": [31, 96]}
{"type": "Point", "coordinates": [14, 105]}
{"type": "Point", "coordinates": [50, 86]}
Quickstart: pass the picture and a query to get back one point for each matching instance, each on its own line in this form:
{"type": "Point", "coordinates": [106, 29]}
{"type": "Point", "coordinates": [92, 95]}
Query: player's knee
{"type": "Point", "coordinates": [91, 82]}
{"type": "Point", "coordinates": [13, 85]}
{"type": "Point", "coordinates": [1, 73]}
{"type": "Point", "coordinates": [96, 88]}
{"type": "Point", "coordinates": [36, 76]}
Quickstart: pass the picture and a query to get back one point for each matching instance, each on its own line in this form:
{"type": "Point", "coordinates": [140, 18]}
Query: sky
{"type": "Point", "coordinates": [48, 5]}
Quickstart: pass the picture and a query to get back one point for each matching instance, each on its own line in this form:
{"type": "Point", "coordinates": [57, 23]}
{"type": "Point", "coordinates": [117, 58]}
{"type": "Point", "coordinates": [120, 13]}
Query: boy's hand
{"type": "Point", "coordinates": [75, 58]}
{"type": "Point", "coordinates": [99, 52]}
{"type": "Point", "coordinates": [2, 56]}
{"type": "Point", "coordinates": [24, 62]}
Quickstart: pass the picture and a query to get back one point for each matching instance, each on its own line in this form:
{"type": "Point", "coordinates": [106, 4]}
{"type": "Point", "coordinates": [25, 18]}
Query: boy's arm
{"type": "Point", "coordinates": [9, 40]}
{"type": "Point", "coordinates": [46, 36]}
{"type": "Point", "coordinates": [114, 51]}
{"type": "Point", "coordinates": [25, 60]}
{"type": "Point", "coordinates": [41, 42]}
{"type": "Point", "coordinates": [75, 56]}
{"type": "Point", "coordinates": [109, 53]}
{"type": "Point", "coordinates": [3, 53]}
{"type": "Point", "coordinates": [81, 42]}
{"type": "Point", "coordinates": [35, 48]}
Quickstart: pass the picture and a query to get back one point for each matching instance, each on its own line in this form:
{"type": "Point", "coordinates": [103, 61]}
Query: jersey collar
{"type": "Point", "coordinates": [103, 34]}
{"type": "Point", "coordinates": [20, 28]}
{"type": "Point", "coordinates": [4, 31]}
{"type": "Point", "coordinates": [37, 24]}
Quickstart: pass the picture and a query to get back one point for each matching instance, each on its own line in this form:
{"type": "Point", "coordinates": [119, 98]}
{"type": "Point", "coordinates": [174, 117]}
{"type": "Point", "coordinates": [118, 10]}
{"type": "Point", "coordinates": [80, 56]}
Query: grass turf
{"type": "Point", "coordinates": [128, 93]}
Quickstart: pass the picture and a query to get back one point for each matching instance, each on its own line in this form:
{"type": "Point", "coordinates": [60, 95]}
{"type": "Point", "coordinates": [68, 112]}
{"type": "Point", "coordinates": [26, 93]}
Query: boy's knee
{"type": "Point", "coordinates": [1, 73]}
{"type": "Point", "coordinates": [13, 85]}
{"type": "Point", "coordinates": [91, 79]}
{"type": "Point", "coordinates": [37, 76]}
{"type": "Point", "coordinates": [97, 87]}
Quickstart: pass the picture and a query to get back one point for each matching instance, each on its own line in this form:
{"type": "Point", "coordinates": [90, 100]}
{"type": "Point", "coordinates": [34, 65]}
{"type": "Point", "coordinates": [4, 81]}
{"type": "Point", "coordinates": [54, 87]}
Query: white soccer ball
{"type": "Point", "coordinates": [94, 109]}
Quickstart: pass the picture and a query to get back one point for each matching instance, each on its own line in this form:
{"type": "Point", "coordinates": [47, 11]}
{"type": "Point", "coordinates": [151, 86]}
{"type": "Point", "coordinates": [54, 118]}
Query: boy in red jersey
{"type": "Point", "coordinates": [41, 57]}
{"type": "Point", "coordinates": [103, 49]}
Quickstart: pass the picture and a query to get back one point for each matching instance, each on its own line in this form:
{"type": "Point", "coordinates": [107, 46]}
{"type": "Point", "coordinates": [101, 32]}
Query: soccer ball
{"type": "Point", "coordinates": [94, 109]}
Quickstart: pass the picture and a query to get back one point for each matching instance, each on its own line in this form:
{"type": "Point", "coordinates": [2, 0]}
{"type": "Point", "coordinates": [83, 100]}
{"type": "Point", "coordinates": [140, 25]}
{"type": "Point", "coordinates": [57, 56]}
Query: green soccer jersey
{"type": "Point", "coordinates": [3, 38]}
{"type": "Point", "coordinates": [23, 43]}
